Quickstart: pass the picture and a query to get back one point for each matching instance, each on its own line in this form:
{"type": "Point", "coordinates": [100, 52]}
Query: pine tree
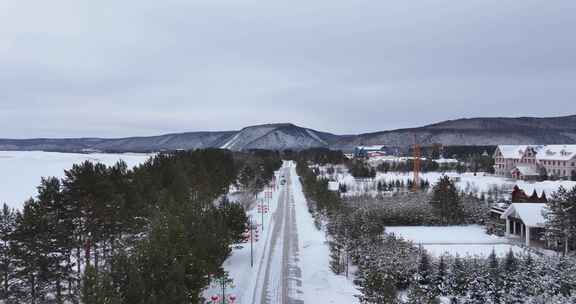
{"type": "Point", "coordinates": [457, 278]}
{"type": "Point", "coordinates": [31, 252]}
{"type": "Point", "coordinates": [477, 292]}
{"type": "Point", "coordinates": [509, 271]}
{"type": "Point", "coordinates": [377, 287]}
{"type": "Point", "coordinates": [7, 267]}
{"type": "Point", "coordinates": [560, 221]}
{"type": "Point", "coordinates": [447, 202]}
{"type": "Point", "coordinates": [418, 294]}
{"type": "Point", "coordinates": [440, 281]}
{"type": "Point", "coordinates": [422, 290]}
{"type": "Point", "coordinates": [424, 274]}
{"type": "Point", "coordinates": [494, 281]}
{"type": "Point", "coordinates": [58, 236]}
{"type": "Point", "coordinates": [97, 288]}
{"type": "Point", "coordinates": [566, 276]}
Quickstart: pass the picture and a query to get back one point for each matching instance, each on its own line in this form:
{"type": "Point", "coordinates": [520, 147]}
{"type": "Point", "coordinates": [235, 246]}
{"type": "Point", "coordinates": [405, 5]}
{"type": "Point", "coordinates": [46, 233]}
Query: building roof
{"type": "Point", "coordinates": [532, 214]}
{"type": "Point", "coordinates": [512, 151]}
{"type": "Point", "coordinates": [556, 152]}
{"type": "Point", "coordinates": [543, 152]}
{"type": "Point", "coordinates": [370, 148]}
{"type": "Point", "coordinates": [526, 170]}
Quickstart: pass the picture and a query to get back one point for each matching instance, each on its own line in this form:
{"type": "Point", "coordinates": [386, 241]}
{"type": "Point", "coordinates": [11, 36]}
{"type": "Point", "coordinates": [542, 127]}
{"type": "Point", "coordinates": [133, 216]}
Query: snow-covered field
{"type": "Point", "coordinates": [480, 183]}
{"type": "Point", "coordinates": [483, 182]}
{"type": "Point", "coordinates": [20, 172]}
{"type": "Point", "coordinates": [461, 240]}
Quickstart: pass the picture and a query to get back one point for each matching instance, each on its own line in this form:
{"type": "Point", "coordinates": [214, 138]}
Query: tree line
{"type": "Point", "coordinates": [110, 234]}
{"type": "Point", "coordinates": [392, 270]}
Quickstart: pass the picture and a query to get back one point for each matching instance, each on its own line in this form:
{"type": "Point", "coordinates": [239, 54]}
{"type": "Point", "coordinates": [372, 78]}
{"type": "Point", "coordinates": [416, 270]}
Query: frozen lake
{"type": "Point", "coordinates": [21, 171]}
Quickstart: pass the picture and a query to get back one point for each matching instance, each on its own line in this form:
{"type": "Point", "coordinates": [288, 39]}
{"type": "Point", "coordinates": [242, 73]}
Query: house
{"type": "Point", "coordinates": [525, 173]}
{"type": "Point", "coordinates": [530, 162]}
{"type": "Point", "coordinates": [364, 151]}
{"type": "Point", "coordinates": [375, 151]}
{"type": "Point", "coordinates": [525, 221]}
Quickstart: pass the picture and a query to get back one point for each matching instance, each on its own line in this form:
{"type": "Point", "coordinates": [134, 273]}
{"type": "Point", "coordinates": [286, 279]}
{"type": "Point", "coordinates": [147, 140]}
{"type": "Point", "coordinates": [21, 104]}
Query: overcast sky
{"type": "Point", "coordinates": [115, 68]}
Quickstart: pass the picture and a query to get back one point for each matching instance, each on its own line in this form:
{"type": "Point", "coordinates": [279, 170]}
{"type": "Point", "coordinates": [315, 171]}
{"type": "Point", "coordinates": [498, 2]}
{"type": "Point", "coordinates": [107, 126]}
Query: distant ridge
{"type": "Point", "coordinates": [283, 136]}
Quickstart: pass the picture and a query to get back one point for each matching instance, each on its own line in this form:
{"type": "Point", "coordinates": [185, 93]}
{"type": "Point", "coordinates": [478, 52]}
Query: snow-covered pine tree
{"type": "Point", "coordinates": [440, 282]}
{"type": "Point", "coordinates": [457, 278]}
{"type": "Point", "coordinates": [565, 275]}
{"type": "Point", "coordinates": [494, 280]}
{"type": "Point", "coordinates": [447, 202]}
{"type": "Point", "coordinates": [560, 216]}
{"type": "Point", "coordinates": [478, 285]}
{"type": "Point", "coordinates": [7, 267]}
{"type": "Point", "coordinates": [509, 279]}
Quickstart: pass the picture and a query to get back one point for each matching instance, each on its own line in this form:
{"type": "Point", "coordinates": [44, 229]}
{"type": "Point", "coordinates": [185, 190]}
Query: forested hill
{"type": "Point", "coordinates": [286, 136]}
{"type": "Point", "coordinates": [153, 235]}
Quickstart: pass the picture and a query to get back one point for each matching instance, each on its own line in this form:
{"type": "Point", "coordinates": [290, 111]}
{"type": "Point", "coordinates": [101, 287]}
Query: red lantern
{"type": "Point", "coordinates": [215, 299]}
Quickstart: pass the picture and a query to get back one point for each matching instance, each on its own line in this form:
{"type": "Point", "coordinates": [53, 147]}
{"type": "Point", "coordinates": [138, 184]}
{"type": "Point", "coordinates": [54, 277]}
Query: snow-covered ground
{"type": "Point", "coordinates": [20, 172]}
{"type": "Point", "coordinates": [479, 183]}
{"type": "Point", "coordinates": [462, 240]}
{"type": "Point", "coordinates": [320, 284]}
{"type": "Point", "coordinates": [291, 258]}
{"type": "Point", "coordinates": [482, 182]}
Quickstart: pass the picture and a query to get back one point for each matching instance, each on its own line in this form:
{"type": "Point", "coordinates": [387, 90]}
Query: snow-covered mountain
{"type": "Point", "coordinates": [474, 131]}
{"type": "Point", "coordinates": [277, 137]}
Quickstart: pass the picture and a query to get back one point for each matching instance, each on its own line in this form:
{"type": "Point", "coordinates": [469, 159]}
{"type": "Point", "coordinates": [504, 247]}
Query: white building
{"type": "Point", "coordinates": [530, 162]}
{"type": "Point", "coordinates": [525, 220]}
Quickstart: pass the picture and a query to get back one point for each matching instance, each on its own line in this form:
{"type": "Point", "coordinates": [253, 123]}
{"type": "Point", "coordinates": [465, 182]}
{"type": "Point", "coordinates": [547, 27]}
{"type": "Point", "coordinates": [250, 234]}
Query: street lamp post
{"type": "Point", "coordinates": [222, 281]}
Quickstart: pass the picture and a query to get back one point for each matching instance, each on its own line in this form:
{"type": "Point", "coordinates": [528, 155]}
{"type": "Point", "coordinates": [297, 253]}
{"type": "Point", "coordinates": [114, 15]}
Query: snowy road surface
{"type": "Point", "coordinates": [291, 257]}
{"type": "Point", "coordinates": [282, 272]}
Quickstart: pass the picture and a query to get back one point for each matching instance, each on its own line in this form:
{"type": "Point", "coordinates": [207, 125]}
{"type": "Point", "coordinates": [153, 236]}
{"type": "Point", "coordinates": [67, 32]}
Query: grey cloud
{"type": "Point", "coordinates": [120, 68]}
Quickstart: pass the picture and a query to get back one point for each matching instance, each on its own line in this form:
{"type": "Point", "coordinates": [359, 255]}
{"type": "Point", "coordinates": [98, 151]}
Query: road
{"type": "Point", "coordinates": [279, 278]}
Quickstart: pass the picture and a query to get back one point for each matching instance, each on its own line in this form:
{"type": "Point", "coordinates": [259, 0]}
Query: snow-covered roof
{"type": "Point", "coordinates": [446, 161]}
{"type": "Point", "coordinates": [526, 170]}
{"type": "Point", "coordinates": [543, 152]}
{"type": "Point", "coordinates": [333, 186]}
{"type": "Point", "coordinates": [512, 151]}
{"type": "Point", "coordinates": [371, 148]}
{"type": "Point", "coordinates": [530, 213]}
{"type": "Point", "coordinates": [556, 152]}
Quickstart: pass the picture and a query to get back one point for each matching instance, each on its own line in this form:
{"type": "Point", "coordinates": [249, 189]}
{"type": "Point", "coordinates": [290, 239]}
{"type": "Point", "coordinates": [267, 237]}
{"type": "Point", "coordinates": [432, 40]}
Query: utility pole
{"type": "Point", "coordinates": [251, 242]}
{"type": "Point", "coordinates": [262, 212]}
